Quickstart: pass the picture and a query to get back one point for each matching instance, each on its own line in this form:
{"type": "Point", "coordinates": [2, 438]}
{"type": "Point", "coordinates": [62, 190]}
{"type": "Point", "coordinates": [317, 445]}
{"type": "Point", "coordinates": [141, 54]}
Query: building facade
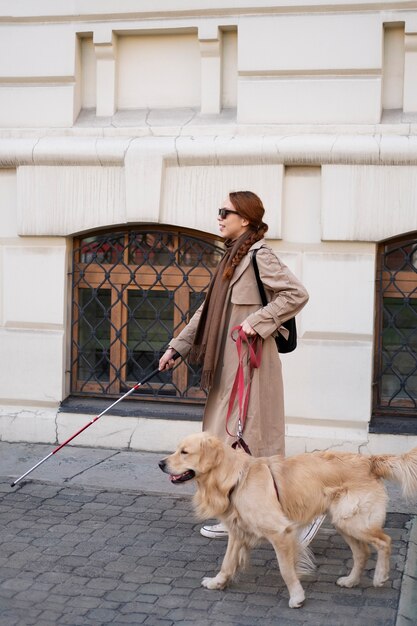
{"type": "Point", "coordinates": [123, 125]}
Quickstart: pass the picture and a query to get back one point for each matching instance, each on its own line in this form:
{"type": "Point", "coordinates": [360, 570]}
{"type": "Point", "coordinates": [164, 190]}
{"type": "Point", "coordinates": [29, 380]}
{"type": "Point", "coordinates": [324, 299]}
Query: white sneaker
{"type": "Point", "coordinates": [308, 533]}
{"type": "Point", "coordinates": [217, 531]}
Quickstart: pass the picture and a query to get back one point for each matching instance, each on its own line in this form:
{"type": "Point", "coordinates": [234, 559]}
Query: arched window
{"type": "Point", "coordinates": [395, 380]}
{"type": "Point", "coordinates": [131, 292]}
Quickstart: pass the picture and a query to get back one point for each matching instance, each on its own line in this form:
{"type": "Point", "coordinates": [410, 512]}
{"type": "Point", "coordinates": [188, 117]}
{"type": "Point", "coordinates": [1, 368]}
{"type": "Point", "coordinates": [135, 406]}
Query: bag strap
{"type": "Point", "coordinates": [253, 354]}
{"type": "Point", "coordinates": [283, 344]}
{"type": "Point", "coordinates": [258, 279]}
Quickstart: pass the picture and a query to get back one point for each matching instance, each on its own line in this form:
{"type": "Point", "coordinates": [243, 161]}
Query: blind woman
{"type": "Point", "coordinates": [233, 299]}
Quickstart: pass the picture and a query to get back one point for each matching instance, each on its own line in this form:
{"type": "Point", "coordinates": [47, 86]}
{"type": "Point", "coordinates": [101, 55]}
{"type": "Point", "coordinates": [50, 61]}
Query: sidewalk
{"type": "Point", "coordinates": [101, 536]}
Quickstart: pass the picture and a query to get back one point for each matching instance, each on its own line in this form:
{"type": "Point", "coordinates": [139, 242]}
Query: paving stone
{"type": "Point", "coordinates": [16, 584]}
{"type": "Point", "coordinates": [119, 595]}
{"type": "Point", "coordinates": [56, 599]}
{"type": "Point", "coordinates": [104, 584]}
{"type": "Point", "coordinates": [84, 602]}
{"type": "Point", "coordinates": [103, 616]}
{"type": "Point", "coordinates": [132, 619]}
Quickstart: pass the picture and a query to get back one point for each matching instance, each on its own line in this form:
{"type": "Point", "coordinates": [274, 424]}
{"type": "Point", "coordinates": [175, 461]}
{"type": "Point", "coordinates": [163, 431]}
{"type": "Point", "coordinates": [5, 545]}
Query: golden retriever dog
{"type": "Point", "coordinates": [273, 497]}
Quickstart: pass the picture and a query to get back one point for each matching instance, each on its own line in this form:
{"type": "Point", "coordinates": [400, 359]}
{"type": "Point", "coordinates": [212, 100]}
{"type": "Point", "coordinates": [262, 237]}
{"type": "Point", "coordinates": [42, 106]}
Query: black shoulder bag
{"type": "Point", "coordinates": [283, 345]}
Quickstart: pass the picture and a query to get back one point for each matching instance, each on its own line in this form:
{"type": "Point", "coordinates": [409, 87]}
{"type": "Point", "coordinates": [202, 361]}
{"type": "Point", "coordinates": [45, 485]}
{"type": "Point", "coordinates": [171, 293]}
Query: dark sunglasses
{"type": "Point", "coordinates": [223, 213]}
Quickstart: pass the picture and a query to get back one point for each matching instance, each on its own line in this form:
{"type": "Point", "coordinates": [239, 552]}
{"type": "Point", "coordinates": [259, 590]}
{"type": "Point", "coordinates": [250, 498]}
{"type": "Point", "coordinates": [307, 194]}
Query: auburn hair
{"type": "Point", "coordinates": [249, 206]}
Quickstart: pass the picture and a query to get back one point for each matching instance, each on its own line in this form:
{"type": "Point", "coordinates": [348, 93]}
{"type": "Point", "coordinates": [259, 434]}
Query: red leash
{"type": "Point", "coordinates": [252, 356]}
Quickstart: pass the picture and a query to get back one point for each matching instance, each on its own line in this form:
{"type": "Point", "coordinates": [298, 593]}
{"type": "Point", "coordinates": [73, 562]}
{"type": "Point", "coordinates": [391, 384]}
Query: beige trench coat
{"type": "Point", "coordinates": [265, 424]}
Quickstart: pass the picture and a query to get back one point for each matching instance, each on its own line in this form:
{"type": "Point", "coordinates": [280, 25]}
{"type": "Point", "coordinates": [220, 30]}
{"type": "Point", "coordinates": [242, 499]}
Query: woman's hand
{"type": "Point", "coordinates": [248, 330]}
{"type": "Point", "coordinates": [166, 362]}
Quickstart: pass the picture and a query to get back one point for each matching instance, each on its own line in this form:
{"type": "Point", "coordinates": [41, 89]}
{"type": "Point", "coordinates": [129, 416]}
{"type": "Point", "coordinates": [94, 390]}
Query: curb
{"type": "Point", "coordinates": [407, 607]}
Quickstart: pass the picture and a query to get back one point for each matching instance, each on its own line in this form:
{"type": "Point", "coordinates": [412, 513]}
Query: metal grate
{"type": "Point", "coordinates": [395, 383]}
{"type": "Point", "coordinates": [131, 292]}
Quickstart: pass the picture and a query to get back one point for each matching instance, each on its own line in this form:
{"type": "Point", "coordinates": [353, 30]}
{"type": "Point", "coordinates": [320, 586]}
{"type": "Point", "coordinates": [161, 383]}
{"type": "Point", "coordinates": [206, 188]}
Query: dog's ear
{"type": "Point", "coordinates": [211, 453]}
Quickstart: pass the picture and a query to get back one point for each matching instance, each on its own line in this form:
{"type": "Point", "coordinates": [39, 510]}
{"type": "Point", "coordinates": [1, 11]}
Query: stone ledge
{"type": "Point", "coordinates": [224, 148]}
{"type": "Point", "coordinates": [133, 408]}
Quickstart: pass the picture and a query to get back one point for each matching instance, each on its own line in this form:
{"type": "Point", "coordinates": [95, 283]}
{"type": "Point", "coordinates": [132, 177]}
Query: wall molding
{"type": "Point", "coordinates": [296, 149]}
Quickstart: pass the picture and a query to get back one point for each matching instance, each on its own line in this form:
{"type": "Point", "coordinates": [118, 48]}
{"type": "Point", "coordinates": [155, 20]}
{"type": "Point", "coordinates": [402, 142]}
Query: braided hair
{"type": "Point", "coordinates": [249, 206]}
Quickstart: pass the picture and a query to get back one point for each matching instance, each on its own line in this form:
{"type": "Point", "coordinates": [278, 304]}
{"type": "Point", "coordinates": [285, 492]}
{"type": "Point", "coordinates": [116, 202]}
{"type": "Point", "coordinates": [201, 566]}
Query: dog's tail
{"type": "Point", "coordinates": [400, 468]}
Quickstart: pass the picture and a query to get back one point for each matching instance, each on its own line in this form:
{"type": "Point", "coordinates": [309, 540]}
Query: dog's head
{"type": "Point", "coordinates": [195, 456]}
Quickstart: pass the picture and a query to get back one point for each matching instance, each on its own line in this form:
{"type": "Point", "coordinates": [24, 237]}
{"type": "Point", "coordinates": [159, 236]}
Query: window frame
{"type": "Point", "coordinates": [388, 414]}
{"type": "Point", "coordinates": [181, 279]}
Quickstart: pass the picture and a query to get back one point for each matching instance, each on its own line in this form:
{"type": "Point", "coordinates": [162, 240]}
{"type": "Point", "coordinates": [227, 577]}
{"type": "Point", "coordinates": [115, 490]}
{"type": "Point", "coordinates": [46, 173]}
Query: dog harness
{"type": "Point", "coordinates": [272, 476]}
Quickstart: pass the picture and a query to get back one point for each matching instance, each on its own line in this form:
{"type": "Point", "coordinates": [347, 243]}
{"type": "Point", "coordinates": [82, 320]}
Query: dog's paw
{"type": "Point", "coordinates": [380, 580]}
{"type": "Point", "coordinates": [297, 600]}
{"type": "Point", "coordinates": [347, 581]}
{"type": "Point", "coordinates": [218, 582]}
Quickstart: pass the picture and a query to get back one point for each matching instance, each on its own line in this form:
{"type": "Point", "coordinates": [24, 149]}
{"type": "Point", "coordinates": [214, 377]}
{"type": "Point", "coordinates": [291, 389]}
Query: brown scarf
{"type": "Point", "coordinates": [208, 331]}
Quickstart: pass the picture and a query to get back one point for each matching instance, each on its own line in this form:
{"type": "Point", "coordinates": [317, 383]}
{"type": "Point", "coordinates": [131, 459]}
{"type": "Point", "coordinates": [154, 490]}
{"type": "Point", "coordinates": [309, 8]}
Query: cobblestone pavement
{"type": "Point", "coordinates": [80, 555]}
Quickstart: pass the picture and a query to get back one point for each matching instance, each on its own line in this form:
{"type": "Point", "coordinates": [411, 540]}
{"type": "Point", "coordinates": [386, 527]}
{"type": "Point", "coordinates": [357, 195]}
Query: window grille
{"type": "Point", "coordinates": [132, 292]}
{"type": "Point", "coordinates": [395, 381]}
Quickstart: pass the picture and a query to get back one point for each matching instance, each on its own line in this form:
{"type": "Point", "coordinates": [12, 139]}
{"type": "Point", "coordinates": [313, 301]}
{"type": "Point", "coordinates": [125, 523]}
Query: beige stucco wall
{"type": "Point", "coordinates": [273, 65]}
{"type": "Point", "coordinates": [126, 115]}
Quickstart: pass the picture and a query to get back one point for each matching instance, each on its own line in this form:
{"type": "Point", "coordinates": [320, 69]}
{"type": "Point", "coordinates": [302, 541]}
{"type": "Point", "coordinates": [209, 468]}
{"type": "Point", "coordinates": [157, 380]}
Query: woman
{"type": "Point", "coordinates": [233, 299]}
